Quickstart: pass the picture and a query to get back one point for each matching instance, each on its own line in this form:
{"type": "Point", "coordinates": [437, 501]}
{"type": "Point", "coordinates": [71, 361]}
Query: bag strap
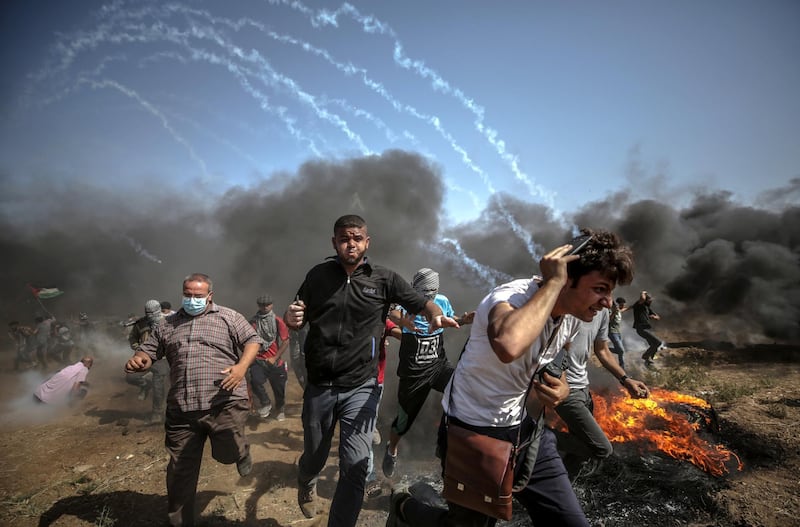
{"type": "Point", "coordinates": [527, 391]}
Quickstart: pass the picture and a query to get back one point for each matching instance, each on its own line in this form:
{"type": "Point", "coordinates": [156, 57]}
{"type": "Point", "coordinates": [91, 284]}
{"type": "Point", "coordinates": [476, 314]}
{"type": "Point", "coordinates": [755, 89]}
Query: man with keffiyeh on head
{"type": "Point", "coordinates": [269, 366]}
{"type": "Point", "coordinates": [423, 362]}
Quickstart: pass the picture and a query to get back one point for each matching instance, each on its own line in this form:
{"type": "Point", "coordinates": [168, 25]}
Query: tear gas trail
{"type": "Point", "coordinates": [107, 83]}
{"type": "Point", "coordinates": [371, 24]}
{"type": "Point", "coordinates": [489, 277]}
{"type": "Point", "coordinates": [140, 250]}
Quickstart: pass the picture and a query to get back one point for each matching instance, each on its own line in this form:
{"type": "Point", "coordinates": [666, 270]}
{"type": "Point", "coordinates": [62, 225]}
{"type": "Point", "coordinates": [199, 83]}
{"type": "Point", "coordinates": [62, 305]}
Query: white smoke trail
{"type": "Point", "coordinates": [370, 24]}
{"type": "Point", "coordinates": [107, 83]}
{"type": "Point", "coordinates": [215, 136]}
{"type": "Point", "coordinates": [141, 251]}
{"type": "Point", "coordinates": [490, 277]}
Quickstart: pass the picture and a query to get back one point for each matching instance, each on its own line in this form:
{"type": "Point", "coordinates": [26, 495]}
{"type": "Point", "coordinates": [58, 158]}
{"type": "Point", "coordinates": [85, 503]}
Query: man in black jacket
{"type": "Point", "coordinates": [345, 301]}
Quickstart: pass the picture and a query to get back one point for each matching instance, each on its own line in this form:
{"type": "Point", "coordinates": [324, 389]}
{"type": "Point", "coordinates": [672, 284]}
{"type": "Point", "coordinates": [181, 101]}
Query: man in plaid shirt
{"type": "Point", "coordinates": [209, 348]}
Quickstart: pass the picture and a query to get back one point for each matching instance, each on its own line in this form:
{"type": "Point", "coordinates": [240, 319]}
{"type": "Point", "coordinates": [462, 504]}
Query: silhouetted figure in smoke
{"type": "Point", "coordinates": [423, 363]}
{"type": "Point", "coordinates": [22, 337]}
{"type": "Point", "coordinates": [61, 343]}
{"type": "Point", "coordinates": [345, 301]}
{"type": "Point", "coordinates": [156, 378]}
{"type": "Point", "coordinates": [615, 329]}
{"type": "Point", "coordinates": [42, 339]}
{"type": "Point", "coordinates": [209, 348]}
{"type": "Point", "coordinates": [86, 331]}
{"type": "Point", "coordinates": [642, 315]}
{"type": "Point", "coordinates": [269, 366]}
{"type": "Point", "coordinates": [585, 440]}
{"type": "Point", "coordinates": [66, 386]}
{"type": "Point", "coordinates": [140, 331]}
{"type": "Point", "coordinates": [518, 329]}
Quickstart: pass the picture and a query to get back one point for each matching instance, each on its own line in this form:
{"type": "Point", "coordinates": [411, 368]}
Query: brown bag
{"type": "Point", "coordinates": [479, 472]}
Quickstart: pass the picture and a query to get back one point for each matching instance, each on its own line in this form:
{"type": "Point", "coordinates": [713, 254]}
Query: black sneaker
{"type": "Point", "coordinates": [389, 463]}
{"type": "Point", "coordinates": [307, 499]}
{"type": "Point", "coordinates": [399, 496]}
{"type": "Point", "coordinates": [245, 465]}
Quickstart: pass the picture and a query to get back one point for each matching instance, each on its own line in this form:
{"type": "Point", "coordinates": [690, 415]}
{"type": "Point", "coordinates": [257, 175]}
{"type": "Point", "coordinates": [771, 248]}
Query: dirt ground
{"type": "Point", "coordinates": [99, 464]}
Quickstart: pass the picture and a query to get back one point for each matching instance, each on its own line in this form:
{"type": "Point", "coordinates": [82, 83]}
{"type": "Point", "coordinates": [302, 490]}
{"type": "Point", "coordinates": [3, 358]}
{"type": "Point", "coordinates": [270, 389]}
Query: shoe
{"type": "Point", "coordinates": [264, 411]}
{"type": "Point", "coordinates": [589, 467]}
{"type": "Point", "coordinates": [389, 463]}
{"type": "Point", "coordinates": [426, 494]}
{"type": "Point", "coordinates": [307, 499]}
{"type": "Point", "coordinates": [245, 465]}
{"type": "Point", "coordinates": [156, 418]}
{"type": "Point", "coordinates": [399, 496]}
{"type": "Point", "coordinates": [376, 438]}
{"type": "Point", "coordinates": [281, 416]}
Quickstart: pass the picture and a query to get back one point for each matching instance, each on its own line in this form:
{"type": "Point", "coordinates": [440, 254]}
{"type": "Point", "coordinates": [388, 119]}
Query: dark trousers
{"type": "Point", "coordinates": [412, 392]}
{"type": "Point", "coordinates": [186, 434]}
{"type": "Point", "coordinates": [262, 371]}
{"type": "Point", "coordinates": [652, 341]}
{"type": "Point", "coordinates": [585, 438]}
{"type": "Point", "coordinates": [355, 410]}
{"type": "Point", "coordinates": [548, 496]}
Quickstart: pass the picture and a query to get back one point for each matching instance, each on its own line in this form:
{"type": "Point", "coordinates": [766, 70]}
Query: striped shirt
{"type": "Point", "coordinates": [198, 349]}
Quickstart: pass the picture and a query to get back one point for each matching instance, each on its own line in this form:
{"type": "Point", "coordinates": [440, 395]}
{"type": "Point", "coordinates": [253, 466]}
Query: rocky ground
{"type": "Point", "coordinates": [100, 464]}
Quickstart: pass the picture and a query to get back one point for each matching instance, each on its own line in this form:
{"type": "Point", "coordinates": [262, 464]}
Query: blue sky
{"type": "Point", "coordinates": [559, 103]}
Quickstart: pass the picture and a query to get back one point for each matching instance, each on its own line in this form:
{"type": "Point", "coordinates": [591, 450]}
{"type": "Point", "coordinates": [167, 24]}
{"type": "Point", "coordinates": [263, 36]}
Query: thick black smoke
{"type": "Point", "coordinates": [714, 264]}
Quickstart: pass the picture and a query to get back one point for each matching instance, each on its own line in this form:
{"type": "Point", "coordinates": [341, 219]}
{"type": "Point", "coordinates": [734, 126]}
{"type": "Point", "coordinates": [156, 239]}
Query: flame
{"type": "Point", "coordinates": [652, 423]}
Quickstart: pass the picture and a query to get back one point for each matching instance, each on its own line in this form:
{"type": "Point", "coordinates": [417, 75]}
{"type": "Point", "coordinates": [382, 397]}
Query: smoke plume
{"type": "Point", "coordinates": [713, 262]}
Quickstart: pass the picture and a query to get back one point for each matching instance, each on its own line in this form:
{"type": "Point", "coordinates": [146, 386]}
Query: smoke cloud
{"type": "Point", "coordinates": [713, 263]}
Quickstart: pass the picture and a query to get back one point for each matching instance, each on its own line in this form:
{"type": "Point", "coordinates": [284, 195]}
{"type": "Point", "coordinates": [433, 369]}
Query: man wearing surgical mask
{"type": "Point", "coordinates": [209, 348]}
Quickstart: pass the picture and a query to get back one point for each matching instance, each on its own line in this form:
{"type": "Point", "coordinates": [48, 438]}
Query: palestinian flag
{"type": "Point", "coordinates": [45, 292]}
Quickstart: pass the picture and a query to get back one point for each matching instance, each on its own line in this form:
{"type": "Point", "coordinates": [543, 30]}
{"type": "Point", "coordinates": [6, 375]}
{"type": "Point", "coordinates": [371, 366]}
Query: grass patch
{"type": "Point", "coordinates": [694, 378]}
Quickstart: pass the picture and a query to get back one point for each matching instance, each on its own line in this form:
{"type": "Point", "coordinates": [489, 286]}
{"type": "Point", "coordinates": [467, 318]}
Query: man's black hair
{"type": "Point", "coordinates": [606, 253]}
{"type": "Point", "coordinates": [349, 220]}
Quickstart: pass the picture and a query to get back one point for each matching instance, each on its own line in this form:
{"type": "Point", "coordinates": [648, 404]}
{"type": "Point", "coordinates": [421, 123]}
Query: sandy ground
{"type": "Point", "coordinates": [100, 464]}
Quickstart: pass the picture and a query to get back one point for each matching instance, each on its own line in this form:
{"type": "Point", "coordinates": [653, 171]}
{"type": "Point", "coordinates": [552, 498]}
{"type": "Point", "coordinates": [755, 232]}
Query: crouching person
{"type": "Point", "coordinates": [66, 386]}
{"type": "Point", "coordinates": [518, 330]}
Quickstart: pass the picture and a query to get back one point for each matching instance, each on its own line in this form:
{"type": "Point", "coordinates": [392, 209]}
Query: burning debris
{"type": "Point", "coordinates": [670, 422]}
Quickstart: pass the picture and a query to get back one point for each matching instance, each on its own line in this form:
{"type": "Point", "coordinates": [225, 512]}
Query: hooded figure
{"type": "Point", "coordinates": [426, 282]}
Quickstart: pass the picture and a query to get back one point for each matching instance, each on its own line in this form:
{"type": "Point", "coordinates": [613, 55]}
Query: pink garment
{"type": "Point", "coordinates": [56, 389]}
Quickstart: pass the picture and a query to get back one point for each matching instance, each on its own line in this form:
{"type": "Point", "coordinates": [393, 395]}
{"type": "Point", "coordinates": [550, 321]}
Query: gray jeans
{"type": "Point", "coordinates": [585, 438]}
{"type": "Point", "coordinates": [355, 410]}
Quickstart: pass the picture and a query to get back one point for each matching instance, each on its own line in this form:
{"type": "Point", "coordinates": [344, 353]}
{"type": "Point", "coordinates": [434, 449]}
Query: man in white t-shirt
{"type": "Point", "coordinates": [518, 329]}
{"type": "Point", "coordinates": [66, 385]}
{"type": "Point", "coordinates": [585, 439]}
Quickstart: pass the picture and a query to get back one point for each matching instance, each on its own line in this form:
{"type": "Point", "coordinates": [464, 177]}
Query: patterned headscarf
{"type": "Point", "coordinates": [426, 281]}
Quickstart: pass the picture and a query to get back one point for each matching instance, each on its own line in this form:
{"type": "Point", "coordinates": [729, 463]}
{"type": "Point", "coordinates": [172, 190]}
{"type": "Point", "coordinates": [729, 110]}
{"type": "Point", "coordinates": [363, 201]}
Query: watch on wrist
{"type": "Point", "coordinates": [623, 379]}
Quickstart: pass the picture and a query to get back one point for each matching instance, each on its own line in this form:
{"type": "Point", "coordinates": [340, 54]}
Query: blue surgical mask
{"type": "Point", "coordinates": [194, 306]}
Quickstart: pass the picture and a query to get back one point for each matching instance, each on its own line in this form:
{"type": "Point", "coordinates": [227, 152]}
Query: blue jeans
{"type": "Point", "coordinates": [371, 474]}
{"type": "Point", "coordinates": [618, 348]}
{"type": "Point", "coordinates": [585, 438]}
{"type": "Point", "coordinates": [355, 410]}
